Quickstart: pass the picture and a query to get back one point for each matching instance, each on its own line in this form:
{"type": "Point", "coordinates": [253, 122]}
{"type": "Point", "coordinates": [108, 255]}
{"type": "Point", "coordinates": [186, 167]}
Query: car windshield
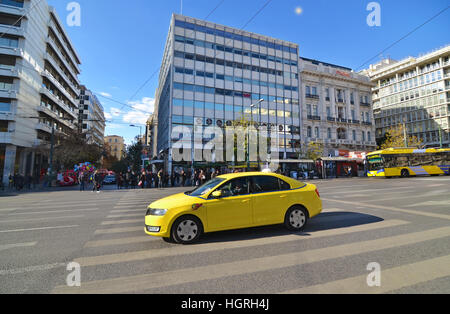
{"type": "Point", "coordinates": [205, 188]}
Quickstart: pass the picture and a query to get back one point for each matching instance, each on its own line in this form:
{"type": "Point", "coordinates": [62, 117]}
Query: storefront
{"type": "Point", "coordinates": [338, 167]}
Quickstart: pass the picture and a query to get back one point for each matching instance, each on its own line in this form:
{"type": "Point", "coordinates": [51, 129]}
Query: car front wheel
{"type": "Point", "coordinates": [187, 229]}
{"type": "Point", "coordinates": [296, 218]}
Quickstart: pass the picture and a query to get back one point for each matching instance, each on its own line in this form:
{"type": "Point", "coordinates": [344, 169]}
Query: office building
{"type": "Point", "coordinates": [39, 86]}
{"type": "Point", "coordinates": [212, 74]}
{"type": "Point", "coordinates": [91, 117]}
{"type": "Point", "coordinates": [414, 92]}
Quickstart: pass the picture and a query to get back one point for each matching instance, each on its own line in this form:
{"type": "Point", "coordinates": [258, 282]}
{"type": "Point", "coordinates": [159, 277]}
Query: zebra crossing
{"type": "Point", "coordinates": [330, 256]}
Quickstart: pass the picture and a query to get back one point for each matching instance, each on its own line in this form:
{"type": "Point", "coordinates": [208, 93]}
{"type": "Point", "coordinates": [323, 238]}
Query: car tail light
{"type": "Point", "coordinates": [317, 192]}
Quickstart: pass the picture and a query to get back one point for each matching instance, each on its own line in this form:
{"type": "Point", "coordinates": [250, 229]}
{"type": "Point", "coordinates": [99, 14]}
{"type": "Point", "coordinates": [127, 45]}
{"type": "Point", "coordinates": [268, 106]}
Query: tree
{"type": "Point", "coordinates": [395, 137]}
{"type": "Point", "coordinates": [72, 148]}
{"type": "Point", "coordinates": [134, 155]}
{"type": "Point", "coordinates": [314, 150]}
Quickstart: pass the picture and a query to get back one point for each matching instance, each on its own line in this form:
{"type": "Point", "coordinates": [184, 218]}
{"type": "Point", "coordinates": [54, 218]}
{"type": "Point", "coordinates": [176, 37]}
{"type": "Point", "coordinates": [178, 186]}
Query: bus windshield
{"type": "Point", "coordinates": [375, 163]}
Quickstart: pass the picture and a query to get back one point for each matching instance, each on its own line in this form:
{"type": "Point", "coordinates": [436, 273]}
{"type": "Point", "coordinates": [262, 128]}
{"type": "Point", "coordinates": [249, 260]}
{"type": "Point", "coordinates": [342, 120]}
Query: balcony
{"type": "Point", "coordinates": [43, 127]}
{"type": "Point", "coordinates": [340, 100]}
{"type": "Point", "coordinates": [11, 51]}
{"type": "Point", "coordinates": [367, 123]}
{"type": "Point", "coordinates": [315, 118]}
{"type": "Point", "coordinates": [354, 121]}
{"type": "Point", "coordinates": [331, 119]}
{"type": "Point", "coordinates": [12, 30]}
{"type": "Point", "coordinates": [58, 101]}
{"type": "Point", "coordinates": [55, 116]}
{"type": "Point", "coordinates": [55, 82]}
{"type": "Point", "coordinates": [341, 120]}
{"type": "Point", "coordinates": [7, 116]}
{"type": "Point", "coordinates": [6, 137]}
{"type": "Point", "coordinates": [8, 94]}
{"type": "Point", "coordinates": [55, 65]}
{"type": "Point", "coordinates": [312, 96]}
{"type": "Point", "coordinates": [11, 71]}
{"type": "Point", "coordinates": [63, 44]}
{"type": "Point", "coordinates": [364, 104]}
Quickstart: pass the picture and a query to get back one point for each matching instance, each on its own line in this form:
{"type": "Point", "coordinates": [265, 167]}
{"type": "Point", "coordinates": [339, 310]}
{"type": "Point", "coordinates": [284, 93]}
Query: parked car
{"type": "Point", "coordinates": [109, 179]}
{"type": "Point", "coordinates": [233, 201]}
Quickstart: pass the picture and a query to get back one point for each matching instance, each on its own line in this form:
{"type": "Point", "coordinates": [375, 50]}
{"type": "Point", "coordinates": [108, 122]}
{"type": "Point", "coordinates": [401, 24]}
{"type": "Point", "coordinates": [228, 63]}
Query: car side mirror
{"type": "Point", "coordinates": [217, 194]}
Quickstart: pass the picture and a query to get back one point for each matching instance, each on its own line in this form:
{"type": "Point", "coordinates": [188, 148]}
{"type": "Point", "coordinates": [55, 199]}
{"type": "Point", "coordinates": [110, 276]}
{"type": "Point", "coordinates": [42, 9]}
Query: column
{"type": "Point", "coordinates": [10, 160]}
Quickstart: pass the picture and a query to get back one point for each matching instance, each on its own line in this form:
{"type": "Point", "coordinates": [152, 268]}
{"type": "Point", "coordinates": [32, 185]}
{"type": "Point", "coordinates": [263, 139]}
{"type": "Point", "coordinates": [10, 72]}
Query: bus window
{"type": "Point", "coordinates": [439, 159]}
{"type": "Point", "coordinates": [402, 161]}
{"type": "Point", "coordinates": [417, 160]}
{"type": "Point", "coordinates": [427, 160]}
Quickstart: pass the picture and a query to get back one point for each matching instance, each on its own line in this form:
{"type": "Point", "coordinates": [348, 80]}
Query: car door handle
{"type": "Point", "coordinates": [246, 200]}
{"type": "Point", "coordinates": [283, 196]}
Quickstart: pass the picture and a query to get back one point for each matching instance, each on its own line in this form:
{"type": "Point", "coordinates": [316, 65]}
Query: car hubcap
{"type": "Point", "coordinates": [187, 230]}
{"type": "Point", "coordinates": [297, 219]}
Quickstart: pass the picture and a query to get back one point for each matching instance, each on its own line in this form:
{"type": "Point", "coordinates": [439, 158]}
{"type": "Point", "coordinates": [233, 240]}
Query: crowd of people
{"type": "Point", "coordinates": [162, 179]}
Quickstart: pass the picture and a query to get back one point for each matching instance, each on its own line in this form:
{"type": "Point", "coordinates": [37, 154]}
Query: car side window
{"type": "Point", "coordinates": [235, 187]}
{"type": "Point", "coordinates": [262, 184]}
{"type": "Point", "coordinates": [284, 185]}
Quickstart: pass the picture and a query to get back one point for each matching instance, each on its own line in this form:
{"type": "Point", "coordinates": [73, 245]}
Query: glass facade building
{"type": "Point", "coordinates": [211, 75]}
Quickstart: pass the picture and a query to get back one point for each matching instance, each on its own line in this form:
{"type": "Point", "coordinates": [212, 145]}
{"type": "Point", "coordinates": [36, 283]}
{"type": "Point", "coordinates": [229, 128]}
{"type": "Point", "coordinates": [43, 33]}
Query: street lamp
{"type": "Point", "coordinates": [140, 130]}
{"type": "Point", "coordinates": [248, 131]}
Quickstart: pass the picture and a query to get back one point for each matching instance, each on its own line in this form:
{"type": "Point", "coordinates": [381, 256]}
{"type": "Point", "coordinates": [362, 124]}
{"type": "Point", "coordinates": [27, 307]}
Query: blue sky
{"type": "Point", "coordinates": [121, 42]}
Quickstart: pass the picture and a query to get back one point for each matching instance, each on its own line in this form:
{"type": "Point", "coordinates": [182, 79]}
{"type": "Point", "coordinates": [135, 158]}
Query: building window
{"type": "Point", "coordinates": [316, 132]}
{"type": "Point", "coordinates": [309, 132]}
{"type": "Point", "coordinates": [329, 133]}
{"type": "Point", "coordinates": [354, 135]}
{"type": "Point", "coordinates": [342, 134]}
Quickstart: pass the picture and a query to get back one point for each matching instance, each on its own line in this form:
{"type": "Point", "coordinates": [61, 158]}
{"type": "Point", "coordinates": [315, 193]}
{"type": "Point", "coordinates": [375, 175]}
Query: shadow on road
{"type": "Point", "coordinates": [325, 221]}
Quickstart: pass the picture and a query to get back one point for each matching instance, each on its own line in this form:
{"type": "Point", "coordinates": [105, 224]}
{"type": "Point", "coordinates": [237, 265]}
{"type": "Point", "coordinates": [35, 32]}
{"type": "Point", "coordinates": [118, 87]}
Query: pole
{"type": "Point", "coordinates": [404, 135]}
{"type": "Point", "coordinates": [52, 146]}
{"type": "Point", "coordinates": [440, 137]}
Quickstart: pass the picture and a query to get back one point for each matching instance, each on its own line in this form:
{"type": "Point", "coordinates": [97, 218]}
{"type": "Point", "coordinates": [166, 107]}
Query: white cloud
{"type": "Point", "coordinates": [104, 94]}
{"type": "Point", "coordinates": [141, 111]}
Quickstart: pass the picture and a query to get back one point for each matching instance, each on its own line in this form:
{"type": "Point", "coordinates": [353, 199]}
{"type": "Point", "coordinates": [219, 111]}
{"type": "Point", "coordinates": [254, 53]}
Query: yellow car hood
{"type": "Point", "coordinates": [173, 201]}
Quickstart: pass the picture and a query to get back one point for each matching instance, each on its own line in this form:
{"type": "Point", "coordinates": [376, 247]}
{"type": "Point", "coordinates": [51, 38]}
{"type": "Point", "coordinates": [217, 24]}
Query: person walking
{"type": "Point", "coordinates": [97, 182]}
{"type": "Point", "coordinates": [160, 178]}
{"type": "Point", "coordinates": [81, 181]}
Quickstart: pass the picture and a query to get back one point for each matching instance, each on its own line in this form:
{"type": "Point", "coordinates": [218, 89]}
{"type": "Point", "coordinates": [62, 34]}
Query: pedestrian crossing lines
{"type": "Point", "coordinates": [331, 255]}
{"type": "Point", "coordinates": [192, 275]}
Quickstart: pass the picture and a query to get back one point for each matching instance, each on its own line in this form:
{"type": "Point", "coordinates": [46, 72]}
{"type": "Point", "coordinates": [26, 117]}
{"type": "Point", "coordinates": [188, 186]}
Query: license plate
{"type": "Point", "coordinates": [152, 229]}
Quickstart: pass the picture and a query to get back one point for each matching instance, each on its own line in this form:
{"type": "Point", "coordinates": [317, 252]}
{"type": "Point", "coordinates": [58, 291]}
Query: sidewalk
{"type": "Point", "coordinates": [39, 189]}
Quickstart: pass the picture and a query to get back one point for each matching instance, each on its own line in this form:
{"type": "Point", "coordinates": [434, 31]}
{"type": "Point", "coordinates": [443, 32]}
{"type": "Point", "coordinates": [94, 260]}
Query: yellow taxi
{"type": "Point", "coordinates": [233, 201]}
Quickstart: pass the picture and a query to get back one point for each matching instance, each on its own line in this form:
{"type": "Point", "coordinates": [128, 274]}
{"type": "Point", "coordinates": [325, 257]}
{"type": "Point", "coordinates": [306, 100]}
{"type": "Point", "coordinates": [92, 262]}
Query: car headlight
{"type": "Point", "coordinates": [156, 212]}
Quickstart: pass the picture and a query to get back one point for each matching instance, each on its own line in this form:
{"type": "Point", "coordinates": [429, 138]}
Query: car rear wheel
{"type": "Point", "coordinates": [186, 230]}
{"type": "Point", "coordinates": [296, 218]}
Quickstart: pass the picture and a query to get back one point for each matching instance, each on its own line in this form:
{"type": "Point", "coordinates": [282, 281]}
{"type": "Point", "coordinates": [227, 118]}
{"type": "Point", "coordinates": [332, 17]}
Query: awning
{"type": "Point", "coordinates": [292, 161]}
{"type": "Point", "coordinates": [341, 159]}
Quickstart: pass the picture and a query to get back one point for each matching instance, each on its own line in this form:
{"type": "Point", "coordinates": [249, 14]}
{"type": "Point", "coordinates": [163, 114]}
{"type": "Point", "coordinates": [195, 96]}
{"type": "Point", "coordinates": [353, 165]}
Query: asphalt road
{"type": "Point", "coordinates": [400, 224]}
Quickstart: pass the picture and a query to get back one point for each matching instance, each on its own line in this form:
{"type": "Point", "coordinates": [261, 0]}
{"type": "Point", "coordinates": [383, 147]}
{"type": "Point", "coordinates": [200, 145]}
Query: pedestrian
{"type": "Point", "coordinates": [183, 177]}
{"type": "Point", "coordinates": [160, 178]}
{"type": "Point", "coordinates": [96, 181]}
{"type": "Point", "coordinates": [81, 181]}
{"type": "Point", "coordinates": [143, 180]}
